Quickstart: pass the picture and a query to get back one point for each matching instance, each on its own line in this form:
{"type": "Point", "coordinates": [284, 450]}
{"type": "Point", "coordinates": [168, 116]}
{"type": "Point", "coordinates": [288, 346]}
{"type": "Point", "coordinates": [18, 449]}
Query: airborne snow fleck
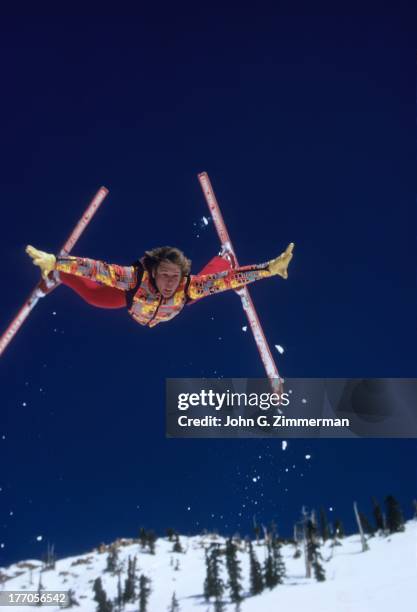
{"type": "Point", "coordinates": [284, 444]}
{"type": "Point", "coordinates": [279, 348]}
{"type": "Point", "coordinates": [201, 224]}
{"type": "Point", "coordinates": [39, 538]}
{"type": "Point", "coordinates": [308, 456]}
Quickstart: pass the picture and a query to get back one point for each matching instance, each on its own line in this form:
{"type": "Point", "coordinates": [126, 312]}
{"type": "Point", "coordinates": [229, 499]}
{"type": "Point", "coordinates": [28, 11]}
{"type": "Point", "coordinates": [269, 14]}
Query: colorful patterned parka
{"type": "Point", "coordinates": [143, 300]}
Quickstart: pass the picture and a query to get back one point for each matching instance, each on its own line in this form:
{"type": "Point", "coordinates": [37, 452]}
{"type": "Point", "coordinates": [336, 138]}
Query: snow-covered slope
{"type": "Point", "coordinates": [382, 579]}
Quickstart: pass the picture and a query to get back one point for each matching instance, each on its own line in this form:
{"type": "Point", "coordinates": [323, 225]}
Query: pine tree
{"type": "Point", "coordinates": [279, 565]}
{"type": "Point", "coordinates": [119, 596]}
{"type": "Point", "coordinates": [234, 571]}
{"type": "Point", "coordinates": [318, 570]}
{"type": "Point", "coordinates": [129, 593]}
{"type": "Point", "coordinates": [256, 529]}
{"type": "Point", "coordinates": [213, 584]}
{"type": "Point", "coordinates": [339, 530]}
{"type": "Point", "coordinates": [143, 538]}
{"type": "Point", "coordinates": [379, 519]}
{"type": "Point", "coordinates": [144, 592]}
{"type": "Point", "coordinates": [112, 560]}
{"type": "Point", "coordinates": [151, 539]}
{"type": "Point", "coordinates": [313, 551]}
{"type": "Point", "coordinates": [274, 567]}
{"type": "Point", "coordinates": [269, 577]}
{"type": "Point", "coordinates": [104, 605]}
{"type": "Point", "coordinates": [217, 581]}
{"type": "Point", "coordinates": [208, 582]}
{"type": "Point", "coordinates": [324, 526]}
{"type": "Point", "coordinates": [395, 519]}
{"type": "Point", "coordinates": [170, 534]}
{"type": "Point", "coordinates": [256, 581]}
{"type": "Point", "coordinates": [177, 548]}
{"type": "Point", "coordinates": [174, 605]}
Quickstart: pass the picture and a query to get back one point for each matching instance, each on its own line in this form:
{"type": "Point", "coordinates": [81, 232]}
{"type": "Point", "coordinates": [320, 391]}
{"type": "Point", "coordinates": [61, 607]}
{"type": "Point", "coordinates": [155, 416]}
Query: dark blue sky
{"type": "Point", "coordinates": [305, 125]}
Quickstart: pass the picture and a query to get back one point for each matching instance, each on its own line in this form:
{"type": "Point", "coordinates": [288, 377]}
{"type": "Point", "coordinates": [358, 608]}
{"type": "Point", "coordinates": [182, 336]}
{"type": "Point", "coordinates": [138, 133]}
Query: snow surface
{"type": "Point", "coordinates": [382, 579]}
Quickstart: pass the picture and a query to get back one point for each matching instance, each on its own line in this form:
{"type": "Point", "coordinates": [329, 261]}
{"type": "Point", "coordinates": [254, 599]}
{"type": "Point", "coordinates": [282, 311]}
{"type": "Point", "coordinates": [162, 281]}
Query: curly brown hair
{"type": "Point", "coordinates": [154, 257]}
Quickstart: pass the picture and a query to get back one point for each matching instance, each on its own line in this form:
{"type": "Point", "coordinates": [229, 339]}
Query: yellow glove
{"type": "Point", "coordinates": [45, 261]}
{"type": "Point", "coordinates": [280, 264]}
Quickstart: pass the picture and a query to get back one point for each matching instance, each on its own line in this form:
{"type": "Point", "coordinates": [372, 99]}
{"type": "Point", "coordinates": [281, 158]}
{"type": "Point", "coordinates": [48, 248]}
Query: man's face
{"type": "Point", "coordinates": [167, 278]}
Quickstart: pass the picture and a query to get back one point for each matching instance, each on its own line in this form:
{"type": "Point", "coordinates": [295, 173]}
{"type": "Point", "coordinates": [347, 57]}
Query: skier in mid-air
{"type": "Point", "coordinates": [156, 287]}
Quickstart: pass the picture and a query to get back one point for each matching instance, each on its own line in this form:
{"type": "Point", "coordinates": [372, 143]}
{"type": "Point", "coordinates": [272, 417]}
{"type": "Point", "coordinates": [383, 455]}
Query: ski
{"type": "Point", "coordinates": [247, 303]}
{"type": "Point", "coordinates": [44, 287]}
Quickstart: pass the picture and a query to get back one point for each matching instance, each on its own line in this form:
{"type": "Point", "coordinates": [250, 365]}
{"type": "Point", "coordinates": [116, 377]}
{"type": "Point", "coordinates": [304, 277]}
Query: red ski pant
{"type": "Point", "coordinates": [94, 293]}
